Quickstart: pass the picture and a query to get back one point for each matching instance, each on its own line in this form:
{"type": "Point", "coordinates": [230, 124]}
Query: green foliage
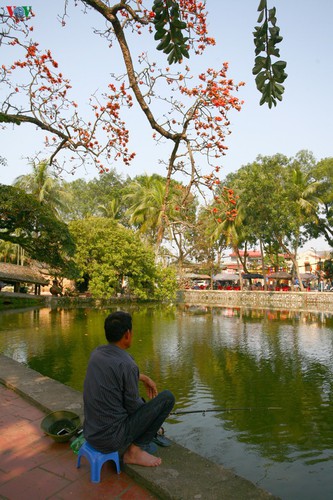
{"type": "Point", "coordinates": [328, 268]}
{"type": "Point", "coordinates": [44, 185]}
{"type": "Point", "coordinates": [8, 252]}
{"type": "Point", "coordinates": [264, 207]}
{"type": "Point", "coordinates": [24, 221]}
{"type": "Point", "coordinates": [97, 197]}
{"type": "Point", "coordinates": [165, 284]}
{"type": "Point", "coordinates": [323, 173]}
{"type": "Point", "coordinates": [277, 197]}
{"type": "Point", "coordinates": [169, 30]}
{"type": "Point", "coordinates": [157, 216]}
{"type": "Point", "coordinates": [111, 255]}
{"type": "Point", "coordinates": [269, 75]}
{"type": "Point", "coordinates": [145, 198]}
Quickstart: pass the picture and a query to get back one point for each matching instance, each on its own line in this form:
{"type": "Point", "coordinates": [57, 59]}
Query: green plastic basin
{"type": "Point", "coordinates": [61, 425]}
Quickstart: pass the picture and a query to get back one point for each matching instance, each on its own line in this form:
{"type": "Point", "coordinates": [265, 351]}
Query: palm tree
{"type": "Point", "coordinates": [160, 210]}
{"type": "Point", "coordinates": [8, 251]}
{"type": "Point", "coordinates": [46, 188]}
{"type": "Point", "coordinates": [146, 198]}
{"type": "Point", "coordinates": [303, 193]}
{"type": "Point", "coordinates": [43, 185]}
{"type": "Point", "coordinates": [225, 231]}
{"type": "Point", "coordinates": [111, 210]}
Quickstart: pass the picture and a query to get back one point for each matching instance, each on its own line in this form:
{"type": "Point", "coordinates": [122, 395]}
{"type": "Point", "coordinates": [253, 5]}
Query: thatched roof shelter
{"type": "Point", "coordinates": [17, 275]}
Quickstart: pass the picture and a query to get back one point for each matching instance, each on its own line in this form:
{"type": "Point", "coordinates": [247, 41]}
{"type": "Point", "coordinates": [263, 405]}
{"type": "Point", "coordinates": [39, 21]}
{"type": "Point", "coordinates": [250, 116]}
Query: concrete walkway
{"type": "Point", "coordinates": [33, 466]}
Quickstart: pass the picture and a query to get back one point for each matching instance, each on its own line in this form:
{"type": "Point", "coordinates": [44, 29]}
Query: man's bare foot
{"type": "Point", "coordinates": [134, 455]}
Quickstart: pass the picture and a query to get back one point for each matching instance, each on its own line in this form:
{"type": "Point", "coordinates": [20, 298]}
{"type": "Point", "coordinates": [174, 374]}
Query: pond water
{"type": "Point", "coordinates": [273, 368]}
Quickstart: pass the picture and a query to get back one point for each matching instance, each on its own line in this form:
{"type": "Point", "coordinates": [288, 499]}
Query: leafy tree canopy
{"type": "Point", "coordinates": [110, 257]}
{"type": "Point", "coordinates": [24, 221]}
{"type": "Point", "coordinates": [92, 198]}
{"type": "Point", "coordinates": [323, 173]}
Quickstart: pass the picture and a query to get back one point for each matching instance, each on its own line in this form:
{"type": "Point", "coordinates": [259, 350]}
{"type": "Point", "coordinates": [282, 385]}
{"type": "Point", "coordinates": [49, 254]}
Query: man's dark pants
{"type": "Point", "coordinates": [142, 425]}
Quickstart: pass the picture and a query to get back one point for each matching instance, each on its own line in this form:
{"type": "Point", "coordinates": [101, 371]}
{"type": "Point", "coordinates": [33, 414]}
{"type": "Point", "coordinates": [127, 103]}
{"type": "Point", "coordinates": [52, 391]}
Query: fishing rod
{"type": "Point", "coordinates": [219, 410]}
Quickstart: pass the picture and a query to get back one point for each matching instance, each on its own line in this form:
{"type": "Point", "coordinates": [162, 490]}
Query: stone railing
{"type": "Point", "coordinates": [322, 301]}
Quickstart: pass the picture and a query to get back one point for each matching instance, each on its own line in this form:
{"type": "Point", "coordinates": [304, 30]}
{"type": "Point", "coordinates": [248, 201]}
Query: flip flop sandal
{"type": "Point", "coordinates": [161, 439]}
{"type": "Point", "coordinates": [149, 448]}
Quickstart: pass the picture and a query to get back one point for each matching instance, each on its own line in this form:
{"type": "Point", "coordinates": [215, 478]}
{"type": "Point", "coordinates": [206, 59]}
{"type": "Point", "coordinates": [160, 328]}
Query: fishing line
{"type": "Point", "coordinates": [219, 410]}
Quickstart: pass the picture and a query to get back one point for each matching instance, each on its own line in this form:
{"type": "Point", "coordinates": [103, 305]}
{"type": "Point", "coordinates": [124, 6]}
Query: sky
{"type": "Point", "coordinates": [303, 120]}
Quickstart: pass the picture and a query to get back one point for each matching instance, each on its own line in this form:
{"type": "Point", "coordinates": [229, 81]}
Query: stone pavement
{"type": "Point", "coordinates": [32, 466]}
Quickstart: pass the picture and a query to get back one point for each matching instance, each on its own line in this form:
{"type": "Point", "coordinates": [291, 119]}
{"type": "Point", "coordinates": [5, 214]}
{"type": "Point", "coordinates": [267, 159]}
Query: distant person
{"type": "Point", "coordinates": [116, 417]}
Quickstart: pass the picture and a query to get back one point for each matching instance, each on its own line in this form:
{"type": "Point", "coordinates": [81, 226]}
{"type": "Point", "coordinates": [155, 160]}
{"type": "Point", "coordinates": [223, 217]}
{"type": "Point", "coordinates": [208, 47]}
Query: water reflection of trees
{"type": "Point", "coordinates": [249, 314]}
{"type": "Point", "coordinates": [258, 362]}
{"type": "Point", "coordinates": [209, 357]}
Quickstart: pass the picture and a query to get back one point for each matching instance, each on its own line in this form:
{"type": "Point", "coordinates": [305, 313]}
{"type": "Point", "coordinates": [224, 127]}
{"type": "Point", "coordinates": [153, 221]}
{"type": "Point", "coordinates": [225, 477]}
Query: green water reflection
{"type": "Point", "coordinates": [214, 358]}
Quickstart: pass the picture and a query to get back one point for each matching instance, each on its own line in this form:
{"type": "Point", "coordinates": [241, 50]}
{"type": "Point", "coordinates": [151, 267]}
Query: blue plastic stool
{"type": "Point", "coordinates": [96, 460]}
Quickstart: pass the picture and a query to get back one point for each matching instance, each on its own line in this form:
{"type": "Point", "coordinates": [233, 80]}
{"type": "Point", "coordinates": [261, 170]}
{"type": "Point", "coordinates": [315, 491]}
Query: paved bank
{"type": "Point", "coordinates": [182, 475]}
{"type": "Point", "coordinates": [292, 300]}
{"type": "Point", "coordinates": [308, 301]}
{"type": "Point", "coordinates": [33, 466]}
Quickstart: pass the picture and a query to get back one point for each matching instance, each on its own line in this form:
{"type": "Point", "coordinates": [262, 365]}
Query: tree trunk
{"type": "Point", "coordinates": [263, 264]}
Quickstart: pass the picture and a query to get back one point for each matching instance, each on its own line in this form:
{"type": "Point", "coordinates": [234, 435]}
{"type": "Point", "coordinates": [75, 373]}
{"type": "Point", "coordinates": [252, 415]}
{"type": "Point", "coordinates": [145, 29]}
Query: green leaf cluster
{"type": "Point", "coordinates": [33, 226]}
{"type": "Point", "coordinates": [278, 198]}
{"type": "Point", "coordinates": [328, 268]}
{"type": "Point", "coordinates": [169, 30]}
{"type": "Point", "coordinates": [110, 256]}
{"type": "Point", "coordinates": [165, 283]}
{"type": "Point", "coordinates": [269, 75]}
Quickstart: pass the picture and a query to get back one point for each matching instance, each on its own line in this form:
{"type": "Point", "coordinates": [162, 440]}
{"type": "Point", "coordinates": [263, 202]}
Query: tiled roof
{"type": "Point", "coordinates": [252, 254]}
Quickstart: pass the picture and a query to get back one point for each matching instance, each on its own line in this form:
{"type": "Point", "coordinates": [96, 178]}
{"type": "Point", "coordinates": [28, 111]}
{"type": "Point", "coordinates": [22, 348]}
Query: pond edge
{"type": "Point", "coordinates": [182, 475]}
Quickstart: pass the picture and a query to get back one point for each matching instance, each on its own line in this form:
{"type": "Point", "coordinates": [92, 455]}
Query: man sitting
{"type": "Point", "coordinates": [116, 417]}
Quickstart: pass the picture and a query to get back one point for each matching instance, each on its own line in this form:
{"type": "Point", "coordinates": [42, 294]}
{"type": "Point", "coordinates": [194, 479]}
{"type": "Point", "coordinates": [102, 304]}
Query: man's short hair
{"type": "Point", "coordinates": [116, 325]}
